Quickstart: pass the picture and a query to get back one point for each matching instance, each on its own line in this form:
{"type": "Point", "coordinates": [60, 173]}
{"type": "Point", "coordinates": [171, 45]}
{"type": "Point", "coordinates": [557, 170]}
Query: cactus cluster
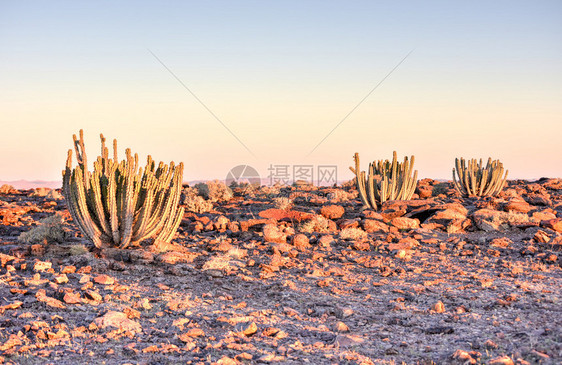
{"type": "Point", "coordinates": [386, 181]}
{"type": "Point", "coordinates": [474, 180]}
{"type": "Point", "coordinates": [120, 204]}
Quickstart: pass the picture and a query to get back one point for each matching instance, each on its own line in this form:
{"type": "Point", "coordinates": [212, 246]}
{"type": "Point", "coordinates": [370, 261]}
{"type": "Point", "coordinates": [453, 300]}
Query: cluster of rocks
{"type": "Point", "coordinates": [282, 274]}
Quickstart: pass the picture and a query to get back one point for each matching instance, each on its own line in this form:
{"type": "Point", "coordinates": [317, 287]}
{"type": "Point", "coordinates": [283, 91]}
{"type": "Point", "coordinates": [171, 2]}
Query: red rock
{"type": "Point", "coordinates": [389, 214]}
{"type": "Point", "coordinates": [491, 220]}
{"type": "Point", "coordinates": [405, 223]}
{"type": "Point", "coordinates": [72, 298]}
{"type": "Point", "coordinates": [425, 191]}
{"type": "Point", "coordinates": [348, 223]}
{"type": "Point", "coordinates": [251, 329]}
{"type": "Point", "coordinates": [464, 356]}
{"type": "Point", "coordinates": [68, 270]}
{"type": "Point", "coordinates": [195, 332]}
{"type": "Point", "coordinates": [458, 225]}
{"type": "Point", "coordinates": [280, 214]}
{"type": "Point", "coordinates": [93, 296]}
{"type": "Point", "coordinates": [271, 233]}
{"type": "Point", "coordinates": [518, 205]}
{"type": "Point", "coordinates": [152, 348]}
{"type": "Point", "coordinates": [341, 327]}
{"type": "Point", "coordinates": [372, 225]}
{"type": "Point", "coordinates": [225, 360]}
{"type": "Point", "coordinates": [42, 265]}
{"type": "Point", "coordinates": [544, 215]}
{"type": "Point", "coordinates": [371, 214]}
{"type": "Point", "coordinates": [447, 215]}
{"type": "Point", "coordinates": [13, 341]}
{"type": "Point", "coordinates": [104, 279]}
{"type": "Point", "coordinates": [555, 224]}
{"type": "Point", "coordinates": [332, 211]}
{"type": "Point", "coordinates": [541, 237]}
{"type": "Point", "coordinates": [502, 242]}
{"type": "Point", "coordinates": [13, 305]}
{"type": "Point", "coordinates": [325, 240]}
{"type": "Point", "coordinates": [52, 302]}
{"type": "Point", "coordinates": [502, 360]}
{"type": "Point", "coordinates": [438, 307]}
{"type": "Point", "coordinates": [300, 241]}
{"type": "Point", "coordinates": [175, 257]}
{"type": "Point", "coordinates": [118, 320]}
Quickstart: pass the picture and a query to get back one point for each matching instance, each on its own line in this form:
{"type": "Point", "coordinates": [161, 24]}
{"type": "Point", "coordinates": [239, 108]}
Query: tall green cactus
{"type": "Point", "coordinates": [119, 204]}
{"type": "Point", "coordinates": [386, 181]}
{"type": "Point", "coordinates": [474, 180]}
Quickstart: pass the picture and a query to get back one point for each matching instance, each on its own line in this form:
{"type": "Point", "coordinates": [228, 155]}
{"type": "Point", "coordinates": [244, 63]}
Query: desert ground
{"type": "Point", "coordinates": [291, 275]}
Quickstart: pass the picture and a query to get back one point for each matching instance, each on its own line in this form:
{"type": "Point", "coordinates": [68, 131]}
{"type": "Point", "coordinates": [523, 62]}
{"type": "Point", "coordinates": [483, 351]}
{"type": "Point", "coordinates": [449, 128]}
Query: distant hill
{"type": "Point", "coordinates": [25, 184]}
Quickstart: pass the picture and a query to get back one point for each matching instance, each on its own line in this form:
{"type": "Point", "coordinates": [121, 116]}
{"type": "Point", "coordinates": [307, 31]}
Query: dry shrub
{"type": "Point", "coordinates": [352, 233]}
{"type": "Point", "coordinates": [214, 191]}
{"type": "Point", "coordinates": [50, 229]}
{"type": "Point", "coordinates": [195, 203]}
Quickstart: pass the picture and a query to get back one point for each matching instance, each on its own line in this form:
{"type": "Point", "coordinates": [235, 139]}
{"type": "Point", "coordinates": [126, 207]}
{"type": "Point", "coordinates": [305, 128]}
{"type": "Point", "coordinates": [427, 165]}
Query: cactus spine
{"type": "Point", "coordinates": [119, 204]}
{"type": "Point", "coordinates": [474, 180]}
{"type": "Point", "coordinates": [386, 180]}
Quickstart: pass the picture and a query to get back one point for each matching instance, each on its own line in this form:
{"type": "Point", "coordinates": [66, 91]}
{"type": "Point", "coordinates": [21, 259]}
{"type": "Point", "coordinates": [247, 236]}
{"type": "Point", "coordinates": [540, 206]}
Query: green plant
{"type": "Point", "coordinates": [476, 180]}
{"type": "Point", "coordinates": [120, 204]}
{"type": "Point", "coordinates": [386, 181]}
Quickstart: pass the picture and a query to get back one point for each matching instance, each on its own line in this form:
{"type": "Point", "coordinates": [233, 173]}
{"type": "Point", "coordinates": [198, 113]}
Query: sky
{"type": "Point", "coordinates": [216, 84]}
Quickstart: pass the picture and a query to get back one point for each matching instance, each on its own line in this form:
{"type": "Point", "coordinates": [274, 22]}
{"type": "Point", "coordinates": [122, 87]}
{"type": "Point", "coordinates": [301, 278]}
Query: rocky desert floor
{"type": "Point", "coordinates": [292, 275]}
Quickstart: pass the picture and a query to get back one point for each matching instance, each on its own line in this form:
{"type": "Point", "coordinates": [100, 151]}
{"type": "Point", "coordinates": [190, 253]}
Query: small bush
{"type": "Point", "coordinates": [317, 223]}
{"type": "Point", "coordinates": [195, 203]}
{"type": "Point", "coordinates": [352, 233]}
{"type": "Point", "coordinates": [214, 191]}
{"type": "Point", "coordinates": [50, 229]}
{"type": "Point", "coordinates": [283, 203]}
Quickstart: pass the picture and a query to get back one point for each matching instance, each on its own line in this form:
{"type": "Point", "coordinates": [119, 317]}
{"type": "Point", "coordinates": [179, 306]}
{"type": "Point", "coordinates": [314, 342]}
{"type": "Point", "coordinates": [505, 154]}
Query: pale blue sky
{"type": "Point", "coordinates": [485, 79]}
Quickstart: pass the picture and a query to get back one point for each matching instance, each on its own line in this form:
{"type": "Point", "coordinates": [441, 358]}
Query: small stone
{"type": "Point", "coordinates": [502, 360]}
{"type": "Point", "coordinates": [502, 242]}
{"type": "Point", "coordinates": [541, 237]}
{"type": "Point", "coordinates": [271, 233]}
{"type": "Point", "coordinates": [93, 296]}
{"type": "Point", "coordinates": [332, 211]}
{"type": "Point", "coordinates": [118, 320]}
{"type": "Point", "coordinates": [489, 344]}
{"type": "Point", "coordinates": [554, 224]}
{"type": "Point", "coordinates": [405, 223]}
{"type": "Point", "coordinates": [195, 332]}
{"type": "Point", "coordinates": [225, 360]}
{"type": "Point", "coordinates": [61, 279]}
{"type": "Point", "coordinates": [52, 302]}
{"type": "Point", "coordinates": [325, 240]}
{"type": "Point", "coordinates": [250, 329]}
{"type": "Point", "coordinates": [401, 254]}
{"type": "Point", "coordinates": [518, 205]}
{"type": "Point", "coordinates": [438, 307]}
{"type": "Point", "coordinates": [300, 241]}
{"type": "Point", "coordinates": [341, 327]}
{"type": "Point", "coordinates": [42, 265]}
{"type": "Point", "coordinates": [71, 298]}
{"type": "Point", "coordinates": [464, 356]}
{"type": "Point", "coordinates": [372, 226]}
